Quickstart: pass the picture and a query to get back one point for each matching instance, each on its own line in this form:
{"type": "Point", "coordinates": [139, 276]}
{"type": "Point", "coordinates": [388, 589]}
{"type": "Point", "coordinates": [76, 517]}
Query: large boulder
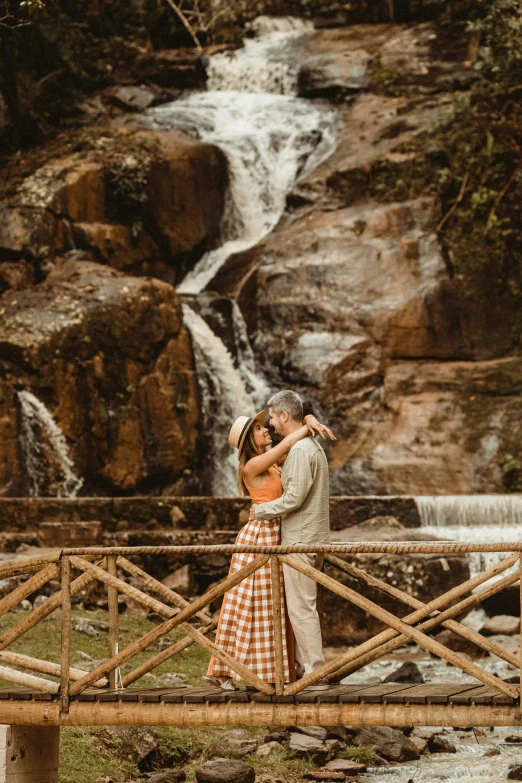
{"type": "Point", "coordinates": [83, 199]}
{"type": "Point", "coordinates": [390, 744]}
{"type": "Point", "coordinates": [110, 358]}
{"type": "Point", "coordinates": [424, 577]}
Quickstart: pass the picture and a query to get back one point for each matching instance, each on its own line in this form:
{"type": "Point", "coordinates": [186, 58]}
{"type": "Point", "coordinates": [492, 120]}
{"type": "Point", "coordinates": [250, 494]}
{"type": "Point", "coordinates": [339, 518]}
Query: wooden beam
{"type": "Point", "coordinates": [255, 714]}
{"type": "Point", "coordinates": [374, 648]}
{"type": "Point", "coordinates": [167, 611]}
{"type": "Point", "coordinates": [452, 625]}
{"type": "Point", "coordinates": [114, 623]}
{"type": "Point", "coordinates": [157, 660]}
{"type": "Point", "coordinates": [27, 565]}
{"type": "Point", "coordinates": [45, 667]}
{"type": "Point", "coordinates": [28, 680]}
{"type": "Point", "coordinates": [43, 611]}
{"type": "Point", "coordinates": [65, 657]}
{"type": "Point", "coordinates": [275, 573]}
{"type": "Point", "coordinates": [153, 584]}
{"type": "Point", "coordinates": [398, 625]}
{"type": "Point", "coordinates": [169, 625]}
{"type": "Point", "coordinates": [26, 588]}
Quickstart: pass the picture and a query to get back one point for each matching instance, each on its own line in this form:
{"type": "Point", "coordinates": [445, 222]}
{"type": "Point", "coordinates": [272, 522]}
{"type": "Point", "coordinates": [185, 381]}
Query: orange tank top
{"type": "Point", "coordinates": [271, 489]}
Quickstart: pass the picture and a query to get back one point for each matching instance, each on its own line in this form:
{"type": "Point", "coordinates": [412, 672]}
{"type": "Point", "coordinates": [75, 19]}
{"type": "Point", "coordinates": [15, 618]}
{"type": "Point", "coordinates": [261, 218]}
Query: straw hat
{"type": "Point", "coordinates": [240, 427]}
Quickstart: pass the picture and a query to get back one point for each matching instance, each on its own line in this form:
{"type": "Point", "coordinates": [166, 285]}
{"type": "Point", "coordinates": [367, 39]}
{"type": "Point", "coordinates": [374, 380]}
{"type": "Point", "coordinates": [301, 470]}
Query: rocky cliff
{"type": "Point", "coordinates": [352, 300]}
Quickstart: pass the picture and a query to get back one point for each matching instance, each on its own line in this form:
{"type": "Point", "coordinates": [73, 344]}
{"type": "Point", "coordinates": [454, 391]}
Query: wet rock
{"type": "Point", "coordinates": [235, 744]}
{"type": "Point", "coordinates": [420, 743]}
{"type": "Point", "coordinates": [180, 68]}
{"type": "Point", "coordinates": [491, 752]}
{"type": "Point", "coordinates": [133, 98]}
{"type": "Point", "coordinates": [116, 363]}
{"type": "Point", "coordinates": [137, 744]}
{"type": "Point", "coordinates": [346, 766]}
{"type": "Point", "coordinates": [333, 747]}
{"type": "Point", "coordinates": [389, 743]}
{"type": "Point", "coordinates": [501, 624]}
{"type": "Point", "coordinates": [422, 576]}
{"type": "Point", "coordinates": [16, 275]}
{"type": "Point", "coordinates": [318, 732]}
{"type": "Point", "coordinates": [324, 775]}
{"type": "Point", "coordinates": [408, 672]}
{"type": "Point", "coordinates": [225, 771]}
{"type": "Point", "coordinates": [515, 772]}
{"type": "Point", "coordinates": [334, 64]}
{"type": "Point", "coordinates": [513, 739]}
{"type": "Point", "coordinates": [507, 601]}
{"type": "Point", "coordinates": [458, 644]}
{"type": "Point", "coordinates": [441, 744]}
{"type": "Point", "coordinates": [304, 746]}
{"type": "Point", "coordinates": [278, 736]}
{"type": "Point", "coordinates": [180, 580]}
{"type": "Point", "coordinates": [115, 243]}
{"type": "Point", "coordinates": [167, 776]}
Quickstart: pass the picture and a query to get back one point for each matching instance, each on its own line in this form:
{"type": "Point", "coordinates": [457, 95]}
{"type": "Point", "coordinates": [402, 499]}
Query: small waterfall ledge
{"type": "Point", "coordinates": [48, 466]}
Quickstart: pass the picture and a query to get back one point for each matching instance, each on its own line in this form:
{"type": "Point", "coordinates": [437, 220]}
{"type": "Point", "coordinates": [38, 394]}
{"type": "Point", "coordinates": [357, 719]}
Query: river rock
{"type": "Point", "coordinates": [501, 624]}
{"type": "Point", "coordinates": [346, 766]}
{"type": "Point", "coordinates": [458, 644]}
{"type": "Point", "coordinates": [111, 359]}
{"type": "Point", "coordinates": [225, 771]}
{"type": "Point", "coordinates": [515, 772]}
{"type": "Point", "coordinates": [441, 744]}
{"type": "Point", "coordinates": [267, 749]}
{"type": "Point", "coordinates": [308, 747]}
{"type": "Point", "coordinates": [422, 576]}
{"type": "Point", "coordinates": [408, 672]}
{"type": "Point", "coordinates": [133, 98]}
{"type": "Point", "coordinates": [167, 776]}
{"type": "Point", "coordinates": [324, 775]}
{"type": "Point", "coordinates": [235, 744]}
{"type": "Point", "coordinates": [318, 732]}
{"type": "Point", "coordinates": [389, 743]}
{"type": "Point", "coordinates": [136, 743]}
{"type": "Point", "coordinates": [507, 601]}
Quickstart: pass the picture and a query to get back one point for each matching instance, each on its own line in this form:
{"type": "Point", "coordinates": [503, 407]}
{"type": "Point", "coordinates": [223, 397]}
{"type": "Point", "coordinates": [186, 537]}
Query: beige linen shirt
{"type": "Point", "coordinates": [304, 504]}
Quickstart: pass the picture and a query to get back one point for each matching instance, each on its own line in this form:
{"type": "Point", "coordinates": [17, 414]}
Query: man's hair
{"type": "Point", "coordinates": [288, 401]}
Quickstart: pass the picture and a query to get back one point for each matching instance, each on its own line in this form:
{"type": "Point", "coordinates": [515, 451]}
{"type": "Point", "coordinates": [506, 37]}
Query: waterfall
{"type": "Point", "coordinates": [255, 383]}
{"type": "Point", "coordinates": [466, 510]}
{"type": "Point", "coordinates": [47, 462]}
{"type": "Point", "coordinates": [473, 518]}
{"type": "Point", "coordinates": [269, 136]}
{"type": "Point", "coordinates": [224, 397]}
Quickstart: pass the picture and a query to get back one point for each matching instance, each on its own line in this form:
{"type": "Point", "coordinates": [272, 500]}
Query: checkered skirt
{"type": "Point", "coordinates": [246, 627]}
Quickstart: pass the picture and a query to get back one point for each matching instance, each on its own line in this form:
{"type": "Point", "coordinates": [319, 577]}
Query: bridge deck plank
{"type": "Point", "coordinates": [391, 693]}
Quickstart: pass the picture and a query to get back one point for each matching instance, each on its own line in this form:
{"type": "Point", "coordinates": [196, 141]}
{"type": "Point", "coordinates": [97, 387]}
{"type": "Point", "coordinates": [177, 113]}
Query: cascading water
{"type": "Point", "coordinates": [224, 397]}
{"type": "Point", "coordinates": [48, 465]}
{"type": "Point", "coordinates": [270, 138]}
{"type": "Point", "coordinates": [477, 518]}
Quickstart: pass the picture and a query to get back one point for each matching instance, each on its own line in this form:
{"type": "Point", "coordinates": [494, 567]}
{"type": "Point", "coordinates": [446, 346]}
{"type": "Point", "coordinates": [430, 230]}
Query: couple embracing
{"type": "Point", "coordinates": [289, 506]}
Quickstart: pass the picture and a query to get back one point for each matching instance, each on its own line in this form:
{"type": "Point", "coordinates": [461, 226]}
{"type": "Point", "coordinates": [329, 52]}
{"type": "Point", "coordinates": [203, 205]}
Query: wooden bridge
{"type": "Point", "coordinates": [71, 697]}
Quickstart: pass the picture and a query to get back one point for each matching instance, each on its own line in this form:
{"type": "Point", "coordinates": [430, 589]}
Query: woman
{"type": "Point", "coordinates": [245, 629]}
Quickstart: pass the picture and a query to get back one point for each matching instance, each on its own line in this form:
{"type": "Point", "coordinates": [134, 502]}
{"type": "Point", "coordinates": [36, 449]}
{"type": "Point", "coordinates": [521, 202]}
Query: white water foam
{"type": "Point", "coordinates": [269, 141]}
{"type": "Point", "coordinates": [48, 465]}
{"type": "Point", "coordinates": [224, 397]}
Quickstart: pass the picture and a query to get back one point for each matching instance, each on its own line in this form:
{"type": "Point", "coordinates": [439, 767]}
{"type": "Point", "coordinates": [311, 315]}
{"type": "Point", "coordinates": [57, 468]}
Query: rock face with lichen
{"type": "Point", "coordinates": [110, 358]}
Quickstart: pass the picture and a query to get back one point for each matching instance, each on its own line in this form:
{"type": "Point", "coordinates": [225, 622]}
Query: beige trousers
{"type": "Point", "coordinates": [301, 599]}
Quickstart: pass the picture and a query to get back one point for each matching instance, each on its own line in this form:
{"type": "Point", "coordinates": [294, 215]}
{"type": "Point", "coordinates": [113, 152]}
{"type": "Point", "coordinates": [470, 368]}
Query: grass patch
{"type": "Point", "coordinates": [84, 760]}
{"type": "Point", "coordinates": [361, 755]}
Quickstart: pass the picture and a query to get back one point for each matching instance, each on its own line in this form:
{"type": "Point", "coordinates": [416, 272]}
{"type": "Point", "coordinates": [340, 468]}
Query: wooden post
{"type": "Point", "coordinates": [113, 619]}
{"type": "Point", "coordinates": [275, 567]}
{"type": "Point", "coordinates": [66, 635]}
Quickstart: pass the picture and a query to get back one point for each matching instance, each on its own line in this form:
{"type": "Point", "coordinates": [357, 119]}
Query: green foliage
{"type": "Point", "coordinates": [500, 29]}
{"type": "Point", "coordinates": [361, 755]}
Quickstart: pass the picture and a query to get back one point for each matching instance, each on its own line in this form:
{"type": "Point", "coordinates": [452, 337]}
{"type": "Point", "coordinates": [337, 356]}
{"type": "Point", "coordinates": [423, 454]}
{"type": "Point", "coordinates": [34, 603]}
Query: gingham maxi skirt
{"type": "Point", "coordinates": [246, 627]}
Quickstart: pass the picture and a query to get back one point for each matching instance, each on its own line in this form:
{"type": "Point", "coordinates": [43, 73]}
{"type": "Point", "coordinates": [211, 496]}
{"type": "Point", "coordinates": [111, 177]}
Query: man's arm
{"type": "Point", "coordinates": [299, 480]}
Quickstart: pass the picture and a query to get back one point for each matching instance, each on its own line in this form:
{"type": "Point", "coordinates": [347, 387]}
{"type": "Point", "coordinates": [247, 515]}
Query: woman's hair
{"type": "Point", "coordinates": [248, 451]}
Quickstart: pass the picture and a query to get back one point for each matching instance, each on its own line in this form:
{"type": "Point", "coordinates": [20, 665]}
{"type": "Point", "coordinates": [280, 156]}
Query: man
{"type": "Point", "coordinates": [304, 507]}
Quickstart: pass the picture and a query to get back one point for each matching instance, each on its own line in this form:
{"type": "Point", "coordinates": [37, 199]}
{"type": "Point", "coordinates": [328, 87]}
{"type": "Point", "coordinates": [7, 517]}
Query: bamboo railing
{"type": "Point", "coordinates": [111, 566]}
